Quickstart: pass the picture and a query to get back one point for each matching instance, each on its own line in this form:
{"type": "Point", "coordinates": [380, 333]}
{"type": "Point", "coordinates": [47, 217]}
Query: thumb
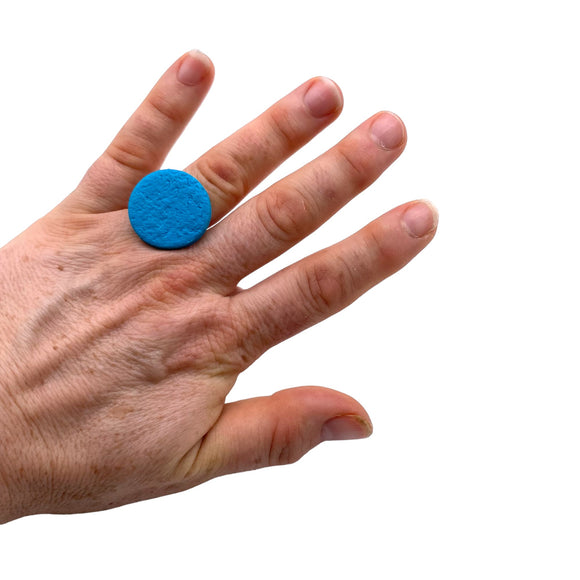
{"type": "Point", "coordinates": [278, 429]}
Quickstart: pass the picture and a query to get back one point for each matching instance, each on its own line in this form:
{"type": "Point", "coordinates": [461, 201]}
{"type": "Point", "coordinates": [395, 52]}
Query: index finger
{"type": "Point", "coordinates": [142, 144]}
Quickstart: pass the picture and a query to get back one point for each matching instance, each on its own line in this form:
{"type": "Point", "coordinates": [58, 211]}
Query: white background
{"type": "Point", "coordinates": [466, 360]}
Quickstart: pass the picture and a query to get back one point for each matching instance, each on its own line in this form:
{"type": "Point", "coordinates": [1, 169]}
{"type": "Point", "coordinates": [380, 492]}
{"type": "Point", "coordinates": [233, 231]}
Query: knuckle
{"type": "Point", "coordinates": [201, 334]}
{"type": "Point", "coordinates": [132, 148]}
{"type": "Point", "coordinates": [165, 109]}
{"type": "Point", "coordinates": [284, 448]}
{"type": "Point", "coordinates": [284, 125]}
{"type": "Point", "coordinates": [356, 168]}
{"type": "Point", "coordinates": [133, 156]}
{"type": "Point", "coordinates": [225, 340]}
{"type": "Point", "coordinates": [381, 247]}
{"type": "Point", "coordinates": [213, 340]}
{"type": "Point", "coordinates": [165, 285]}
{"type": "Point", "coordinates": [284, 214]}
{"type": "Point", "coordinates": [324, 287]}
{"type": "Point", "coordinates": [223, 176]}
{"type": "Point", "coordinates": [168, 280]}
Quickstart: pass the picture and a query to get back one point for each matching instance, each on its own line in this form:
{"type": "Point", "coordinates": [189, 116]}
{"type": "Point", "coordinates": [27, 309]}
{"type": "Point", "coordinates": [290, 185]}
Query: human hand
{"type": "Point", "coordinates": [116, 358]}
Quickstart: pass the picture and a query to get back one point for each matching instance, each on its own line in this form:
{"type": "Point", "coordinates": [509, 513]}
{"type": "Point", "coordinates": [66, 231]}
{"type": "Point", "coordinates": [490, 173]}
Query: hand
{"type": "Point", "coordinates": [116, 358]}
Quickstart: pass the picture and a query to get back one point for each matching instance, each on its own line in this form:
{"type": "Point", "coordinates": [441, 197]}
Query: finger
{"type": "Point", "coordinates": [231, 169]}
{"type": "Point", "coordinates": [142, 144]}
{"type": "Point", "coordinates": [277, 430]}
{"type": "Point", "coordinates": [272, 222]}
{"type": "Point", "coordinates": [322, 284]}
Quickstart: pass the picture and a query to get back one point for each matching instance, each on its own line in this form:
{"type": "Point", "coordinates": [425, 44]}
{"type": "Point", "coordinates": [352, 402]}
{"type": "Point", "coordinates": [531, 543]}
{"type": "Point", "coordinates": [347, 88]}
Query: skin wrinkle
{"type": "Point", "coordinates": [221, 178]}
{"type": "Point", "coordinates": [186, 466]}
{"type": "Point", "coordinates": [130, 156]}
{"type": "Point", "coordinates": [285, 215]}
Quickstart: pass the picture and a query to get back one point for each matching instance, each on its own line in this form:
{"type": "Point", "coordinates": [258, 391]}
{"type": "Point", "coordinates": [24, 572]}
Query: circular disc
{"type": "Point", "coordinates": [169, 209]}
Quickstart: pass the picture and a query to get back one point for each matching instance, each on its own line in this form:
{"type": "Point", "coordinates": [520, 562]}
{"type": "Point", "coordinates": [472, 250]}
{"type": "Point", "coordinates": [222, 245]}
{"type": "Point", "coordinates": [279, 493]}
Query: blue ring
{"type": "Point", "coordinates": [169, 209]}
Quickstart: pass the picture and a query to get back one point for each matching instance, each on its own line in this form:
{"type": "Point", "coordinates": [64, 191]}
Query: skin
{"type": "Point", "coordinates": [116, 358]}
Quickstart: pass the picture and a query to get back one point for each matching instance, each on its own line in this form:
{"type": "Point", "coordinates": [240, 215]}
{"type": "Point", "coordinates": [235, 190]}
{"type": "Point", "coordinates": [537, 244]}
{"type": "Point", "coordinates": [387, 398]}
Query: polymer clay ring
{"type": "Point", "coordinates": [169, 209]}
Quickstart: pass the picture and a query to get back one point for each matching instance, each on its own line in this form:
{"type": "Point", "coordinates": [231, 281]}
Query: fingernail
{"type": "Point", "coordinates": [323, 97]}
{"type": "Point", "coordinates": [346, 427]}
{"type": "Point", "coordinates": [420, 218]}
{"type": "Point", "coordinates": [193, 68]}
{"type": "Point", "coordinates": [388, 131]}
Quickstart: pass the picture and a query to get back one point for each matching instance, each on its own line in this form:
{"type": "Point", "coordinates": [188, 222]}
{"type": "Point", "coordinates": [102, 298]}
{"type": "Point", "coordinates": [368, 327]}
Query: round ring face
{"type": "Point", "coordinates": [169, 209]}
